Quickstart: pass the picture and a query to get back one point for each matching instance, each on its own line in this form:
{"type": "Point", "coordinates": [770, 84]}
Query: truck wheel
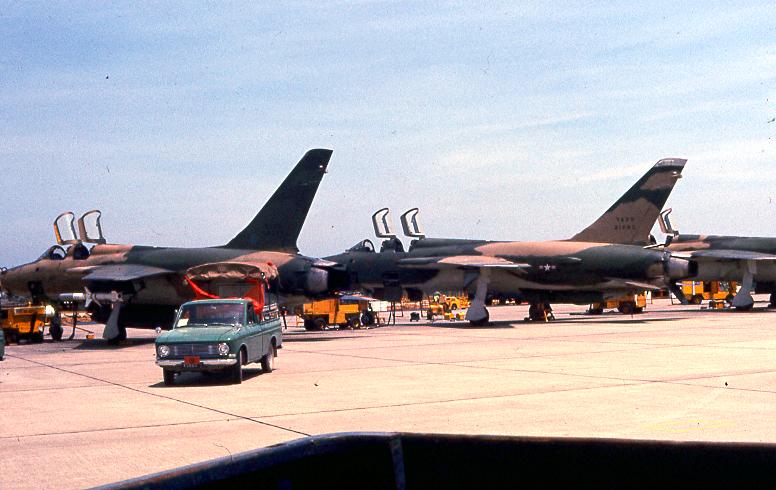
{"type": "Point", "coordinates": [268, 361]}
{"type": "Point", "coordinates": [237, 374]}
{"type": "Point", "coordinates": [367, 318]}
{"type": "Point", "coordinates": [353, 322]}
{"type": "Point", "coordinates": [626, 308]}
{"type": "Point", "coordinates": [730, 297]}
{"type": "Point", "coordinates": [697, 299]}
{"type": "Point", "coordinates": [37, 337]}
{"type": "Point", "coordinates": [321, 324]}
{"type": "Point", "coordinates": [56, 332]}
{"type": "Point", "coordinates": [596, 311]}
{"type": "Point", "coordinates": [169, 377]}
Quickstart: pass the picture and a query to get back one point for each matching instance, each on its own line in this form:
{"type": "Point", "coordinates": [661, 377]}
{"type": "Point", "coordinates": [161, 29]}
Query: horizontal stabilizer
{"type": "Point", "coordinates": [724, 255]}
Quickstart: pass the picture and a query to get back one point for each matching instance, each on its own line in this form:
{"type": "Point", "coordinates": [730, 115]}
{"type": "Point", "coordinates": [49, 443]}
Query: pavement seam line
{"type": "Point", "coordinates": [166, 397]}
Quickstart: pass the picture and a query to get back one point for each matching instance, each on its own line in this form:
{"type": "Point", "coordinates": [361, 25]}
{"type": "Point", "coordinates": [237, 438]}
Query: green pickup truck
{"type": "Point", "coordinates": [220, 335]}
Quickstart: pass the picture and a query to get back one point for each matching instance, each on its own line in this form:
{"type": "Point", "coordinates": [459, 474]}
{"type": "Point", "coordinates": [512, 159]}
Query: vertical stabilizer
{"type": "Point", "coordinates": [631, 218]}
{"type": "Point", "coordinates": [278, 224]}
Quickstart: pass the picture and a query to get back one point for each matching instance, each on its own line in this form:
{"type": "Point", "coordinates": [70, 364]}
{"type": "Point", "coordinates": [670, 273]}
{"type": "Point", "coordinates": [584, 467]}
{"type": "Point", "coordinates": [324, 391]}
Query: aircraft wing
{"type": "Point", "coordinates": [462, 262]}
{"type": "Point", "coordinates": [124, 272]}
{"type": "Point", "coordinates": [724, 255]}
{"type": "Point", "coordinates": [614, 283]}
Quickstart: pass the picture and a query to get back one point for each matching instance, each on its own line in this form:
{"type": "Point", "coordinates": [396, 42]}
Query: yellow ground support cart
{"type": "Point", "coordinates": [23, 322]}
{"type": "Point", "coordinates": [344, 312]}
{"type": "Point", "coordinates": [716, 291]}
{"type": "Point", "coordinates": [627, 305]}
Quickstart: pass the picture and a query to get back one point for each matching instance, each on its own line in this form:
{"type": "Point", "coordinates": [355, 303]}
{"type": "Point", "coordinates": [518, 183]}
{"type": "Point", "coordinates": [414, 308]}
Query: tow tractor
{"type": "Point", "coordinates": [716, 292]}
{"type": "Point", "coordinates": [627, 305]}
{"type": "Point", "coordinates": [25, 322]}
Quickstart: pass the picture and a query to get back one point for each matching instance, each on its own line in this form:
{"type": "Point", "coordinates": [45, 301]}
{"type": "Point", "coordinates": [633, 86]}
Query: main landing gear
{"type": "Point", "coordinates": [540, 312]}
{"type": "Point", "coordinates": [744, 300]}
{"type": "Point", "coordinates": [477, 314]}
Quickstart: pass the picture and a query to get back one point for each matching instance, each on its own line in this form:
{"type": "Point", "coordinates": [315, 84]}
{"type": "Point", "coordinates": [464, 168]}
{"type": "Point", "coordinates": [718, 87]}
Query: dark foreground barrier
{"type": "Point", "coordinates": [397, 461]}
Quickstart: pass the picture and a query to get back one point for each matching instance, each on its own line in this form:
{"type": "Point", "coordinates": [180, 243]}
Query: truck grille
{"type": "Point", "coordinates": [202, 350]}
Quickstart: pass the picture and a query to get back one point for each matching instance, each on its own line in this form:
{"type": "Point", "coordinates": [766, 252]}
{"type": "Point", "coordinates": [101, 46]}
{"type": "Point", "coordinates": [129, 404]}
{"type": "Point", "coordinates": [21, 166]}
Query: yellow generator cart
{"type": "Point", "coordinates": [715, 291]}
{"type": "Point", "coordinates": [627, 305]}
{"type": "Point", "coordinates": [23, 322]}
{"type": "Point", "coordinates": [344, 312]}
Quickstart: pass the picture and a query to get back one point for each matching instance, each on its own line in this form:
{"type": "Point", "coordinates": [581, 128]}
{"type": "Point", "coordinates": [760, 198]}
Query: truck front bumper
{"type": "Point", "coordinates": [204, 364]}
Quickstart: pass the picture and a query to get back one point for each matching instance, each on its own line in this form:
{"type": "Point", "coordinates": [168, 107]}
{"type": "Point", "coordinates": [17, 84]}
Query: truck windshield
{"type": "Point", "coordinates": [210, 314]}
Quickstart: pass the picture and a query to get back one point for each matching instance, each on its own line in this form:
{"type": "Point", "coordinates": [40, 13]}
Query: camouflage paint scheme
{"type": "Point", "coordinates": [605, 260]}
{"type": "Point", "coordinates": [732, 258]}
{"type": "Point", "coordinates": [152, 278]}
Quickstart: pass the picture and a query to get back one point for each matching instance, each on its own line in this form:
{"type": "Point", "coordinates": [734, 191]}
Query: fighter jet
{"type": "Point", "coordinates": [607, 259]}
{"type": "Point", "coordinates": [132, 285]}
{"type": "Point", "coordinates": [749, 260]}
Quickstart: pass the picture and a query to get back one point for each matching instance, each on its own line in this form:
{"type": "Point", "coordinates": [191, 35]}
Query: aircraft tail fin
{"type": "Point", "coordinates": [631, 218]}
{"type": "Point", "coordinates": [278, 224]}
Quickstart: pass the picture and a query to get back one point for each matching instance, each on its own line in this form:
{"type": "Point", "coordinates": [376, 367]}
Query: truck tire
{"type": "Point", "coordinates": [321, 324]}
{"type": "Point", "coordinates": [268, 361]}
{"type": "Point", "coordinates": [697, 299]}
{"type": "Point", "coordinates": [56, 331]}
{"type": "Point", "coordinates": [626, 308]}
{"type": "Point", "coordinates": [169, 377]}
{"type": "Point", "coordinates": [236, 374]}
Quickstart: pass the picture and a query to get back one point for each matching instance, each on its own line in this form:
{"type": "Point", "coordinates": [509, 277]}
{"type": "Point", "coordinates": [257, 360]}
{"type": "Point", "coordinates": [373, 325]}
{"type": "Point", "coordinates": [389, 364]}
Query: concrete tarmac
{"type": "Point", "coordinates": [82, 413]}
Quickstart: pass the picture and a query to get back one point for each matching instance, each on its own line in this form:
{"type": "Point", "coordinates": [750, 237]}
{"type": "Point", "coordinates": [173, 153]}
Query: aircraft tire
{"type": "Point", "coordinates": [56, 332]}
{"type": "Point", "coordinates": [483, 322]}
{"type": "Point", "coordinates": [169, 377]}
{"type": "Point", "coordinates": [236, 373]}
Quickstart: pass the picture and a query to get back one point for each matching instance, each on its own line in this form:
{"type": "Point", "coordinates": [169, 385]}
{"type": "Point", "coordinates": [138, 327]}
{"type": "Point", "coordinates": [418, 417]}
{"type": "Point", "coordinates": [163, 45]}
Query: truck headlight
{"type": "Point", "coordinates": [223, 349]}
{"type": "Point", "coordinates": [164, 350]}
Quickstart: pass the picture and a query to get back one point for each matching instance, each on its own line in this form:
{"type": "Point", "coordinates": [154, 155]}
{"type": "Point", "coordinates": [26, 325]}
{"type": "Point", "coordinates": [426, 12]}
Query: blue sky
{"type": "Point", "coordinates": [504, 120]}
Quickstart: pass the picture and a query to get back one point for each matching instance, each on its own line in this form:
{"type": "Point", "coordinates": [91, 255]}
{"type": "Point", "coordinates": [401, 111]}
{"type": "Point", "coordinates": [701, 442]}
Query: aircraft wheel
{"type": "Point", "coordinates": [237, 373]}
{"type": "Point", "coordinates": [535, 312]}
{"type": "Point", "coordinates": [483, 322]}
{"type": "Point", "coordinates": [56, 331]}
{"type": "Point", "coordinates": [169, 377]}
{"type": "Point", "coordinates": [268, 361]}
